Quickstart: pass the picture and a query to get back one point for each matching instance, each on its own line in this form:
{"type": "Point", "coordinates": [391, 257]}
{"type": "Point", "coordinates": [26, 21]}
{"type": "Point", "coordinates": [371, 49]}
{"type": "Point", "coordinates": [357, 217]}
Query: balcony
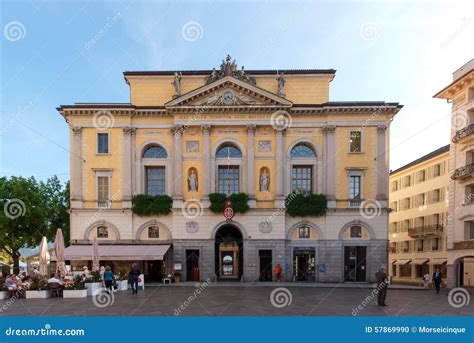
{"type": "Point", "coordinates": [103, 203]}
{"type": "Point", "coordinates": [463, 173]}
{"type": "Point", "coordinates": [355, 202]}
{"type": "Point", "coordinates": [462, 134]}
{"type": "Point", "coordinates": [468, 244]}
{"type": "Point", "coordinates": [427, 230]}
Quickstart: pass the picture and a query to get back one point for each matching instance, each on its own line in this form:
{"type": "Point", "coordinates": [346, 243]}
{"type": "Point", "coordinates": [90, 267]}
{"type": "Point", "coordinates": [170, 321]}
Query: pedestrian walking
{"type": "Point", "coordinates": [382, 286]}
{"type": "Point", "coordinates": [437, 279]}
{"type": "Point", "coordinates": [426, 280]}
{"type": "Point", "coordinates": [133, 274]}
{"type": "Point", "coordinates": [108, 279]}
{"type": "Point", "coordinates": [277, 271]}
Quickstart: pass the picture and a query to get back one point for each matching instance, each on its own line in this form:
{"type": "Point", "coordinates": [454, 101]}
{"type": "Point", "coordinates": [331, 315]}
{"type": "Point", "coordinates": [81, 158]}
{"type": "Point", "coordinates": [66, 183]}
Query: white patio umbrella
{"type": "Point", "coordinates": [43, 257]}
{"type": "Point", "coordinates": [95, 255]}
{"type": "Point", "coordinates": [59, 251]}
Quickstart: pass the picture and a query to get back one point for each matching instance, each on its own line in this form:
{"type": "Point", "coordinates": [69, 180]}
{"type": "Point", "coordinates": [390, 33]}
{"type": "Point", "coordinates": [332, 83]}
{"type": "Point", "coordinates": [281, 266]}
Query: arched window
{"type": "Point", "coordinates": [301, 151]}
{"type": "Point", "coordinates": [228, 151]}
{"type": "Point", "coordinates": [155, 151]}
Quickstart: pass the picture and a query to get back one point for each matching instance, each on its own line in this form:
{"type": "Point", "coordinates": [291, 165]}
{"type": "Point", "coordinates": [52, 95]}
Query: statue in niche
{"type": "Point", "coordinates": [264, 181]}
{"type": "Point", "coordinates": [177, 84]}
{"type": "Point", "coordinates": [281, 84]}
{"type": "Point", "coordinates": [193, 181]}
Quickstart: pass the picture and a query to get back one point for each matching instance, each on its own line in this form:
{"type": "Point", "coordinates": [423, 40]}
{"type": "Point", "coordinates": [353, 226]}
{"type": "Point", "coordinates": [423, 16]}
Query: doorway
{"type": "Point", "coordinates": [192, 265]}
{"type": "Point", "coordinates": [303, 264]}
{"type": "Point", "coordinates": [155, 271]}
{"type": "Point", "coordinates": [355, 264]}
{"type": "Point", "coordinates": [265, 260]}
{"type": "Point", "coordinates": [229, 253]}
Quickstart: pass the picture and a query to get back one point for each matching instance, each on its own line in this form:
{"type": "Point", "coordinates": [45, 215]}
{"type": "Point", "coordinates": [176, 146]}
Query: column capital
{"type": "Point", "coordinates": [206, 128]}
{"type": "Point", "coordinates": [129, 130]}
{"type": "Point", "coordinates": [251, 128]}
{"type": "Point", "coordinates": [328, 129]}
{"type": "Point", "coordinates": [77, 130]}
{"type": "Point", "coordinates": [177, 130]}
{"type": "Point", "coordinates": [381, 129]}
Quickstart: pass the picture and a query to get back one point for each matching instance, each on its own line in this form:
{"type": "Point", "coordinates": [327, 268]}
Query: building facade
{"type": "Point", "coordinates": [417, 221]}
{"type": "Point", "coordinates": [192, 134]}
{"type": "Point", "coordinates": [460, 229]}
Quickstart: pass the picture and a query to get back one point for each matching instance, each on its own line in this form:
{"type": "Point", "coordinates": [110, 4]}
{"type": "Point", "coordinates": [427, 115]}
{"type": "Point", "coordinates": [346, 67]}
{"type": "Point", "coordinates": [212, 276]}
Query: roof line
{"type": "Point", "coordinates": [424, 158]}
{"type": "Point", "coordinates": [251, 72]}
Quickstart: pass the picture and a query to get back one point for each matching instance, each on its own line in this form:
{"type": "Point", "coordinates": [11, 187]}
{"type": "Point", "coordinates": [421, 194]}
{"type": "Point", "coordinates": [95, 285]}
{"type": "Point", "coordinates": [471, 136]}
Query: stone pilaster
{"type": "Point", "coordinates": [207, 169]}
{"type": "Point", "coordinates": [127, 167]}
{"type": "Point", "coordinates": [279, 168]}
{"type": "Point", "coordinates": [330, 164]}
{"type": "Point", "coordinates": [177, 166]}
{"type": "Point", "coordinates": [76, 169]}
{"type": "Point", "coordinates": [382, 165]}
{"type": "Point", "coordinates": [251, 164]}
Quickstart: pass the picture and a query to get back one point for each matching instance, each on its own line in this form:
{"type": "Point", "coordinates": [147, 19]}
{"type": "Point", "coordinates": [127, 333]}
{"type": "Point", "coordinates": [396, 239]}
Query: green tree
{"type": "Point", "coordinates": [31, 210]}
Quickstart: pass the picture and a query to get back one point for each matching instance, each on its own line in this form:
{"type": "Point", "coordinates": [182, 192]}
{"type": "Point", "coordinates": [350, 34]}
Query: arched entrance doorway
{"type": "Point", "coordinates": [229, 253]}
{"type": "Point", "coordinates": [464, 272]}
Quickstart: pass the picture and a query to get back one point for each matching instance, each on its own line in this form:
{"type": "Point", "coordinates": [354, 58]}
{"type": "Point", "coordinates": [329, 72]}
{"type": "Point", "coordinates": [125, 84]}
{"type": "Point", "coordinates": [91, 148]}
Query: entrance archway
{"type": "Point", "coordinates": [464, 272]}
{"type": "Point", "coordinates": [229, 253]}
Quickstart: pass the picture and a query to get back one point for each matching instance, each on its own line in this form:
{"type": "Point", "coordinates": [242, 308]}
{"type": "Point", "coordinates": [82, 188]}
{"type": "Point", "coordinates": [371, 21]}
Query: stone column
{"type": "Point", "coordinates": [382, 166]}
{"type": "Point", "coordinates": [177, 174]}
{"type": "Point", "coordinates": [76, 169]}
{"type": "Point", "coordinates": [330, 159]}
{"type": "Point", "coordinates": [206, 169]}
{"type": "Point", "coordinates": [133, 157]}
{"type": "Point", "coordinates": [279, 168]}
{"type": "Point", "coordinates": [251, 164]}
{"type": "Point", "coordinates": [126, 168]}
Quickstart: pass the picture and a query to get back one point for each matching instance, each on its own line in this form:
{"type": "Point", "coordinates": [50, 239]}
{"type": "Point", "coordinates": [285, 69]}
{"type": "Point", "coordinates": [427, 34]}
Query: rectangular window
{"type": "Point", "coordinates": [407, 181]}
{"type": "Point", "coordinates": [405, 270]}
{"type": "Point", "coordinates": [102, 232]}
{"type": "Point", "coordinates": [421, 176]}
{"type": "Point", "coordinates": [437, 170]}
{"type": "Point", "coordinates": [354, 187]}
{"type": "Point", "coordinates": [155, 180]}
{"type": "Point", "coordinates": [303, 232]}
{"type": "Point", "coordinates": [436, 193]}
{"type": "Point", "coordinates": [471, 230]}
{"type": "Point", "coordinates": [102, 143]}
{"type": "Point", "coordinates": [406, 246]}
{"type": "Point", "coordinates": [420, 199]}
{"type": "Point", "coordinates": [302, 179]}
{"type": "Point", "coordinates": [355, 141]}
{"type": "Point", "coordinates": [419, 245]}
{"type": "Point", "coordinates": [228, 180]}
{"type": "Point", "coordinates": [153, 232]}
{"type": "Point", "coordinates": [435, 244]}
{"type": "Point", "coordinates": [103, 189]}
{"type": "Point", "coordinates": [394, 186]}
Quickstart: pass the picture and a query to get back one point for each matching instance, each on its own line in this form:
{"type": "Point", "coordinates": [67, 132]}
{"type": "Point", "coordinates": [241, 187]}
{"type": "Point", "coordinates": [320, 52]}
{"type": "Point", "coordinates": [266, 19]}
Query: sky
{"type": "Point", "coordinates": [61, 52]}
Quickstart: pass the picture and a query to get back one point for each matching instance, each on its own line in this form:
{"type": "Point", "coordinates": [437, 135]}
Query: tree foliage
{"type": "Point", "coordinates": [238, 202]}
{"type": "Point", "coordinates": [305, 205]}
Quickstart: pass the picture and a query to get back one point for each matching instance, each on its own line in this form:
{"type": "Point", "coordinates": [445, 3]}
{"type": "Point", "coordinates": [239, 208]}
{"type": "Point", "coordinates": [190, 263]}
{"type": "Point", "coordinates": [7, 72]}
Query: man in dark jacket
{"type": "Point", "coordinates": [134, 273]}
{"type": "Point", "coordinates": [437, 279]}
{"type": "Point", "coordinates": [382, 285]}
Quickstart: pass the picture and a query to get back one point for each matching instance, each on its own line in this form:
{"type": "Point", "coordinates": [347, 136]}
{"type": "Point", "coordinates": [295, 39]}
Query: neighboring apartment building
{"type": "Point", "coordinates": [460, 229]}
{"type": "Point", "coordinates": [264, 133]}
{"type": "Point", "coordinates": [417, 230]}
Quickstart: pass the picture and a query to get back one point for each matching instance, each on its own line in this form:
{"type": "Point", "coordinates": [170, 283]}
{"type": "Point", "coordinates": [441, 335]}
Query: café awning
{"type": "Point", "coordinates": [402, 262]}
{"type": "Point", "coordinates": [440, 260]}
{"type": "Point", "coordinates": [420, 261]}
{"type": "Point", "coordinates": [117, 252]}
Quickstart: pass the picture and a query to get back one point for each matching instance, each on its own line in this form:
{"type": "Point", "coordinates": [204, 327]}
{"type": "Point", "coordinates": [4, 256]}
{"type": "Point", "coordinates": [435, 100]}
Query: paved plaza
{"type": "Point", "coordinates": [247, 301]}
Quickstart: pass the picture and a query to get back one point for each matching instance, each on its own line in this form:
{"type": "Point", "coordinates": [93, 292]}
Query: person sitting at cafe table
{"type": "Point", "coordinates": [54, 279]}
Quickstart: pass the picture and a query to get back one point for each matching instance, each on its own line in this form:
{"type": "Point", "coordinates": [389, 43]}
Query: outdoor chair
{"type": "Point", "coordinates": [56, 290]}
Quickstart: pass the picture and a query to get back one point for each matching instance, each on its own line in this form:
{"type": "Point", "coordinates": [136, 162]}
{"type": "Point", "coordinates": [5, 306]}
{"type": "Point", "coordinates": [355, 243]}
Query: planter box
{"type": "Point", "coordinates": [93, 288]}
{"type": "Point", "coordinates": [37, 294]}
{"type": "Point", "coordinates": [122, 285]}
{"type": "Point", "coordinates": [76, 293]}
{"type": "Point", "coordinates": [3, 295]}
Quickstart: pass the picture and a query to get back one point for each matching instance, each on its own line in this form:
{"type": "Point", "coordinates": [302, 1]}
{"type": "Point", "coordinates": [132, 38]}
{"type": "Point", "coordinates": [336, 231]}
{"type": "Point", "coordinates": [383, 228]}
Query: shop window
{"type": "Point", "coordinates": [405, 270]}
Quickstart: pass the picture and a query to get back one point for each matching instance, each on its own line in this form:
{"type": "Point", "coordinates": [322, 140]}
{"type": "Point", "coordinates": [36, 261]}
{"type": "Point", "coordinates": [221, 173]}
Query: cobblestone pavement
{"type": "Point", "coordinates": [246, 301]}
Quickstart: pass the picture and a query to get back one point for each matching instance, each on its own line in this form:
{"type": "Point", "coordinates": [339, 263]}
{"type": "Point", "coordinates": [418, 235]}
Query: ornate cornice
{"type": "Point", "coordinates": [328, 129]}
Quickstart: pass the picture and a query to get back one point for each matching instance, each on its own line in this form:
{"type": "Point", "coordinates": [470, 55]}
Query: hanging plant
{"type": "Point", "coordinates": [305, 205]}
{"type": "Point", "coordinates": [239, 202]}
{"type": "Point", "coordinates": [148, 205]}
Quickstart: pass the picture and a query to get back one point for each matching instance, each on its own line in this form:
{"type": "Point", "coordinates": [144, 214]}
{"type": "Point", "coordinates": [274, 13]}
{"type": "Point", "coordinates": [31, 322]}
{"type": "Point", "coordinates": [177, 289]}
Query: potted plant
{"type": "Point", "coordinates": [77, 289]}
{"type": "Point", "coordinates": [122, 281]}
{"type": "Point", "coordinates": [38, 288]}
{"type": "Point", "coordinates": [93, 283]}
{"type": "Point", "coordinates": [3, 289]}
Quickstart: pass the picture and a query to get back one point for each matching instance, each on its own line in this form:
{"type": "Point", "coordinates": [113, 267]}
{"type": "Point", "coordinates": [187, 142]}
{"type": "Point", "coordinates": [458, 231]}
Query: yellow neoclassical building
{"type": "Point", "coordinates": [460, 224]}
{"type": "Point", "coordinates": [417, 221]}
{"type": "Point", "coordinates": [150, 179]}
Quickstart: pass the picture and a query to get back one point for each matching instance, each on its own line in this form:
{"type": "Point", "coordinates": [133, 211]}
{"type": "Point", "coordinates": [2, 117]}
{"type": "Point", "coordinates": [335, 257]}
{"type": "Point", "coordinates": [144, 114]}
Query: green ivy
{"type": "Point", "coordinates": [148, 205]}
{"type": "Point", "coordinates": [239, 202]}
{"type": "Point", "coordinates": [305, 205]}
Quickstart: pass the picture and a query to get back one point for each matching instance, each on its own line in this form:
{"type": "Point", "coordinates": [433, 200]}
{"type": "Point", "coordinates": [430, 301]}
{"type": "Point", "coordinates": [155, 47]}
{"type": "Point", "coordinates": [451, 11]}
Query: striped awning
{"type": "Point", "coordinates": [117, 252]}
{"type": "Point", "coordinates": [403, 262]}
{"type": "Point", "coordinates": [439, 260]}
{"type": "Point", "coordinates": [420, 261]}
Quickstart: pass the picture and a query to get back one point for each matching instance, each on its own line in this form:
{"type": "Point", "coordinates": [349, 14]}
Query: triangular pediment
{"type": "Point", "coordinates": [229, 91]}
